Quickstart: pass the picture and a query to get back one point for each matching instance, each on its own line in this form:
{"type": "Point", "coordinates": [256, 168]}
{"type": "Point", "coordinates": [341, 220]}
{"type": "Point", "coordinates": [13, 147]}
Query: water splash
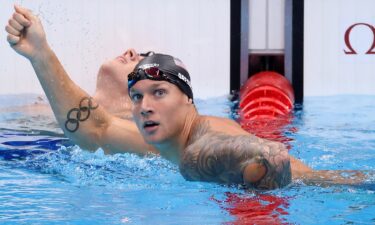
{"type": "Point", "coordinates": [81, 167]}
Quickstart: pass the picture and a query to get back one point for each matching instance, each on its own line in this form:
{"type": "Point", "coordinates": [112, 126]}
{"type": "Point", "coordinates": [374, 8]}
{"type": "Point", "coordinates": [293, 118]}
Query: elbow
{"type": "Point", "coordinates": [272, 173]}
{"type": "Point", "coordinates": [253, 173]}
{"type": "Point", "coordinates": [99, 133]}
{"type": "Point", "coordinates": [92, 138]}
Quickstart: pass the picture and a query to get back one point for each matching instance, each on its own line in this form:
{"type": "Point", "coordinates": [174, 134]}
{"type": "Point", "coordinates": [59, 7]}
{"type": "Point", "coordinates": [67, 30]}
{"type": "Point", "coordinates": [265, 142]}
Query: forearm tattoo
{"type": "Point", "coordinates": [80, 114]}
{"type": "Point", "coordinates": [222, 158]}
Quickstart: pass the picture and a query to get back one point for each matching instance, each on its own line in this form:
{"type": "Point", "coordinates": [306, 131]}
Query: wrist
{"type": "Point", "coordinates": [42, 53]}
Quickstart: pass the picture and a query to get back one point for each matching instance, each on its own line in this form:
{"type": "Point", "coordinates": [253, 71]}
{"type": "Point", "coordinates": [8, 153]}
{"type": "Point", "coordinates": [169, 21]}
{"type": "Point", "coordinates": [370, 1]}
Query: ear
{"type": "Point", "coordinates": [189, 100]}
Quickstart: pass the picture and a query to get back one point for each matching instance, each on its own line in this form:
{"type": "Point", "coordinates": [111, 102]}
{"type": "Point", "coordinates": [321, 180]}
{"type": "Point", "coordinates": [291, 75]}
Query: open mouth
{"type": "Point", "coordinates": [150, 126]}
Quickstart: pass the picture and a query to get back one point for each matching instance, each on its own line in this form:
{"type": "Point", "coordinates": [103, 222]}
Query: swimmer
{"type": "Point", "coordinates": [166, 121]}
{"type": "Point", "coordinates": [111, 80]}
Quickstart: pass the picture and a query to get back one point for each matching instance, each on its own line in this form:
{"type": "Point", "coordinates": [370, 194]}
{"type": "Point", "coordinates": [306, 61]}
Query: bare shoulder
{"type": "Point", "coordinates": [220, 122]}
{"type": "Point", "coordinates": [207, 124]}
{"type": "Point", "coordinates": [213, 129]}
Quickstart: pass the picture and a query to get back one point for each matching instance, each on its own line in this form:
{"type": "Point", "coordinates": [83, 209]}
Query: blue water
{"type": "Point", "coordinates": [45, 179]}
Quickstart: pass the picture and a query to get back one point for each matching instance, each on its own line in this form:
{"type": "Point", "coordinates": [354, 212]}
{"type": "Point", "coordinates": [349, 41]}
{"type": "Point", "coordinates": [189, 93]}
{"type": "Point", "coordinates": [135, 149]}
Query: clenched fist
{"type": "Point", "coordinates": [25, 33]}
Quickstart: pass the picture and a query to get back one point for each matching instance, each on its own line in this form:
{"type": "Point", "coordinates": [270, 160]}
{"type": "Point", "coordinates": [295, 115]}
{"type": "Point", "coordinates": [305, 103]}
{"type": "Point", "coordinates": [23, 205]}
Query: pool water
{"type": "Point", "coordinates": [45, 179]}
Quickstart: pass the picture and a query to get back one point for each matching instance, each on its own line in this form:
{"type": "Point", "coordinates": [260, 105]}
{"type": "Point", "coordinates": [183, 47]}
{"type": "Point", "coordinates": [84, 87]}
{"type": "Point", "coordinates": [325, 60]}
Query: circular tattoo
{"type": "Point", "coordinates": [80, 114]}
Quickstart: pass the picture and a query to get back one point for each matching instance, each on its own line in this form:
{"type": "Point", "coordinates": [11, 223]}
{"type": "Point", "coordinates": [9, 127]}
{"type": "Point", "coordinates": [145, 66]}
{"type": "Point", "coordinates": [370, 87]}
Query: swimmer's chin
{"type": "Point", "coordinates": [152, 140]}
{"type": "Point", "coordinates": [155, 139]}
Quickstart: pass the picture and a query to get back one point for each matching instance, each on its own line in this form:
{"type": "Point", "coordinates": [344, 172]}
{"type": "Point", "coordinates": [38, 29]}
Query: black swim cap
{"type": "Point", "coordinates": [172, 67]}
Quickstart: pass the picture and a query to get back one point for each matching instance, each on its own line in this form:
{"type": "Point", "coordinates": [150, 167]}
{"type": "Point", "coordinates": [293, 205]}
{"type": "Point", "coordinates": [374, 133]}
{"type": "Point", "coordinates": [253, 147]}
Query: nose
{"type": "Point", "coordinates": [131, 54]}
{"type": "Point", "coordinates": [146, 107]}
{"type": "Point", "coordinates": [146, 113]}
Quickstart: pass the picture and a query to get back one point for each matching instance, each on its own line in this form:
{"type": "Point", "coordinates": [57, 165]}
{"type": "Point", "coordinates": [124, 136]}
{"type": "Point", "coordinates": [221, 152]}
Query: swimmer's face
{"type": "Point", "coordinates": [159, 110]}
{"type": "Point", "coordinates": [119, 67]}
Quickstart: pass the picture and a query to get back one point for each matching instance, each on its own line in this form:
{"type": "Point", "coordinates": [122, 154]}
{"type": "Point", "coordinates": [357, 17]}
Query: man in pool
{"type": "Point", "coordinates": [166, 120]}
{"type": "Point", "coordinates": [112, 77]}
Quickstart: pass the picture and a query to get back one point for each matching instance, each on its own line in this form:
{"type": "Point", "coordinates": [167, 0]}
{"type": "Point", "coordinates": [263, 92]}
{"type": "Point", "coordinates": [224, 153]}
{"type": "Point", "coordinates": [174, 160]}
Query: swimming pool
{"type": "Point", "coordinates": [44, 179]}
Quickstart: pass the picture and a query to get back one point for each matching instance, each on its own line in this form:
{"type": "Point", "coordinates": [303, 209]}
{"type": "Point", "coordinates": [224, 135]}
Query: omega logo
{"type": "Point", "coordinates": [350, 50]}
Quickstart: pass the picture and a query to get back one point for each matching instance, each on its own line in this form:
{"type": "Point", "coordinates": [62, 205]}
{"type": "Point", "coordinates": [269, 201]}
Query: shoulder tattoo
{"type": "Point", "coordinates": [80, 114]}
{"type": "Point", "coordinates": [219, 157]}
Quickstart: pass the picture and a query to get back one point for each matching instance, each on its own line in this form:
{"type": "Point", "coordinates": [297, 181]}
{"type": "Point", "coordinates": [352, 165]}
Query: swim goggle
{"type": "Point", "coordinates": [154, 73]}
{"type": "Point", "coordinates": [146, 54]}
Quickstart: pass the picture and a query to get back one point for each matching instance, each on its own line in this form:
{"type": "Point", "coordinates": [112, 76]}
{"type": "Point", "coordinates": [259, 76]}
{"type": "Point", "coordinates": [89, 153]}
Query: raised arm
{"type": "Point", "coordinates": [80, 117]}
{"type": "Point", "coordinates": [242, 159]}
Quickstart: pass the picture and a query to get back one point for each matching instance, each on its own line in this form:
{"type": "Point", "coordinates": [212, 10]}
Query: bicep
{"type": "Point", "coordinates": [98, 128]}
{"type": "Point", "coordinates": [85, 125]}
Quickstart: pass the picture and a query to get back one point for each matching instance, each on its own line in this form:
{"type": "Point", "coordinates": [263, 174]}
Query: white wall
{"type": "Point", "coordinates": [87, 32]}
{"type": "Point", "coordinates": [327, 69]}
{"type": "Point", "coordinates": [266, 26]}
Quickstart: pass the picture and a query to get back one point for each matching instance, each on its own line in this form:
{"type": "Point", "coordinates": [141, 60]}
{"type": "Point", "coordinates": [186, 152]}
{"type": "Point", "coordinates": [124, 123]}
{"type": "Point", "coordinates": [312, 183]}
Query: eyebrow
{"type": "Point", "coordinates": [158, 85]}
{"type": "Point", "coordinates": [152, 86]}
